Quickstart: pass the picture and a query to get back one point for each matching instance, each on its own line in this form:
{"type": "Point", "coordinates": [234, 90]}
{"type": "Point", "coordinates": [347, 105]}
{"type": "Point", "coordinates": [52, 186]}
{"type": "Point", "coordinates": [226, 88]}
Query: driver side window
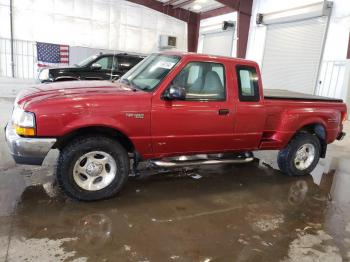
{"type": "Point", "coordinates": [202, 81]}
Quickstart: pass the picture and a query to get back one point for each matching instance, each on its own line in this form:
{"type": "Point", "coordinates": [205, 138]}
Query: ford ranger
{"type": "Point", "coordinates": [172, 109]}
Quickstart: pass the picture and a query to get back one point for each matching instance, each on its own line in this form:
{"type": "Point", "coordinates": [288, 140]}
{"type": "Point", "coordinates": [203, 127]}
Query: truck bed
{"type": "Point", "coordinates": [289, 95]}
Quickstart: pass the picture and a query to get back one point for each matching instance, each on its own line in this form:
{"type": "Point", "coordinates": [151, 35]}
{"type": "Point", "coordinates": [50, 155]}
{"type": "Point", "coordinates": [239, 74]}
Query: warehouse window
{"type": "Point", "coordinates": [202, 81]}
{"type": "Point", "coordinates": [247, 83]}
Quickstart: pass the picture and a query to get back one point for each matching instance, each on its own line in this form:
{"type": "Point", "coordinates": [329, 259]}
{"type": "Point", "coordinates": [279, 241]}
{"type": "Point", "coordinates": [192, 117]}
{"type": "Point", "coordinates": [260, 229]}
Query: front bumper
{"type": "Point", "coordinates": [25, 150]}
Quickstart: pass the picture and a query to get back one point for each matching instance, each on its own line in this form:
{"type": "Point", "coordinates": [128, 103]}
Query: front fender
{"type": "Point", "coordinates": [95, 122]}
{"type": "Point", "coordinates": [136, 130]}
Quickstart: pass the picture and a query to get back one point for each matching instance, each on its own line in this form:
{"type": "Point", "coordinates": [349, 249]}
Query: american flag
{"type": "Point", "coordinates": [52, 54]}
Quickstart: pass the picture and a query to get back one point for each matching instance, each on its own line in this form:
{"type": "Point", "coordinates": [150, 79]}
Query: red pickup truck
{"type": "Point", "coordinates": [172, 109]}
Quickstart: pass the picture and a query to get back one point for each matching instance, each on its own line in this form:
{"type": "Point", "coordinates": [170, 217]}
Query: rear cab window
{"type": "Point", "coordinates": [248, 86]}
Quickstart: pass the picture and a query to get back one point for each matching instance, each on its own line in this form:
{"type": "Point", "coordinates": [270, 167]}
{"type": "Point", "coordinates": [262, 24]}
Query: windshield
{"type": "Point", "coordinates": [87, 60]}
{"type": "Point", "coordinates": [150, 71]}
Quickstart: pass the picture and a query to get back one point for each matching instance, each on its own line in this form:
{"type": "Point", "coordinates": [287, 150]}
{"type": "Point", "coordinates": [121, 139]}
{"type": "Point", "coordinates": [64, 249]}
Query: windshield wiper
{"type": "Point", "coordinates": [130, 83]}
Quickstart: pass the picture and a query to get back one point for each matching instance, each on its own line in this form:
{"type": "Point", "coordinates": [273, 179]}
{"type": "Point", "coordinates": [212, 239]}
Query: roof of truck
{"type": "Point", "coordinates": [122, 54]}
{"type": "Point", "coordinates": [206, 56]}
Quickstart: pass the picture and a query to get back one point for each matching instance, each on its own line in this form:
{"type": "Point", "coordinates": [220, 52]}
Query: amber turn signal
{"type": "Point", "coordinates": [25, 131]}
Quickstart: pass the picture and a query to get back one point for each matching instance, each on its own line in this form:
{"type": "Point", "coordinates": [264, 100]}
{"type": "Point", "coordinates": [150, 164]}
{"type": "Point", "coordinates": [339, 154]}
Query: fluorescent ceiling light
{"type": "Point", "coordinates": [197, 7]}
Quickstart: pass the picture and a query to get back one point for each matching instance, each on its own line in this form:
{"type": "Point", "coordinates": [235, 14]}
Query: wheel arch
{"type": "Point", "coordinates": [123, 139]}
{"type": "Point", "coordinates": [320, 131]}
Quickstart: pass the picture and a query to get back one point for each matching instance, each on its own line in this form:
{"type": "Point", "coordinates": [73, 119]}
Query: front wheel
{"type": "Point", "coordinates": [92, 168]}
{"type": "Point", "coordinates": [300, 156]}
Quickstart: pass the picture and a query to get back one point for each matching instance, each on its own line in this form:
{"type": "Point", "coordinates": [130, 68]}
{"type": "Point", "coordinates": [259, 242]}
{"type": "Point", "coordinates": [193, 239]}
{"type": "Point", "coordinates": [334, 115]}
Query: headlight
{"type": "Point", "coordinates": [24, 122]}
{"type": "Point", "coordinates": [44, 74]}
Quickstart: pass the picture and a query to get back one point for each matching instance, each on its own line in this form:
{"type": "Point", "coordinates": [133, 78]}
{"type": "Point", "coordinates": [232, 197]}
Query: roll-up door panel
{"type": "Point", "coordinates": [218, 43]}
{"type": "Point", "coordinates": [292, 54]}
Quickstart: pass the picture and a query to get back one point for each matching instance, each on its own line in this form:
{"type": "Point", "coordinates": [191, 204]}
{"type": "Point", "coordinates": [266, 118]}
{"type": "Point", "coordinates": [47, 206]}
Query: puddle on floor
{"type": "Point", "coordinates": [242, 213]}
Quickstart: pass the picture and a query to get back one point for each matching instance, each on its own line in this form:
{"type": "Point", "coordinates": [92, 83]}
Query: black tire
{"type": "Point", "coordinates": [70, 154]}
{"type": "Point", "coordinates": [287, 155]}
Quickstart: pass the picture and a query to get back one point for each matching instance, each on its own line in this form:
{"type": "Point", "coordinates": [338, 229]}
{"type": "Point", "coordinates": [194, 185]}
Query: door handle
{"type": "Point", "coordinates": [223, 112]}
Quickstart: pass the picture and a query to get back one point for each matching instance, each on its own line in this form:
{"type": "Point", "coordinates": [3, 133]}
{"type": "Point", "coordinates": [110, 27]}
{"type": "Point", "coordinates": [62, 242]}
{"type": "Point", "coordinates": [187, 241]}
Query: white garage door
{"type": "Point", "coordinates": [292, 54]}
{"type": "Point", "coordinates": [218, 43]}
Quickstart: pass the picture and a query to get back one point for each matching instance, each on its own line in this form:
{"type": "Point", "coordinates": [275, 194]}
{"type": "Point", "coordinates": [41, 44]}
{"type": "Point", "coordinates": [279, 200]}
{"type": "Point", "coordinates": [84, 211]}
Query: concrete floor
{"type": "Point", "coordinates": [245, 212]}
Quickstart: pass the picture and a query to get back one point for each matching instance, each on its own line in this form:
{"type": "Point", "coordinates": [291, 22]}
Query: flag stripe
{"type": "Point", "coordinates": [52, 54]}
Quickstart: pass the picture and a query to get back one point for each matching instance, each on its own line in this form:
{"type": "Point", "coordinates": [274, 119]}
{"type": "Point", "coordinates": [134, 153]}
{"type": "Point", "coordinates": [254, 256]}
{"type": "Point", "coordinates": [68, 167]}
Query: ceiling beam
{"type": "Point", "coordinates": [178, 13]}
{"type": "Point", "coordinates": [244, 11]}
{"type": "Point", "coordinates": [234, 4]}
{"type": "Point", "coordinates": [244, 6]}
{"type": "Point", "coordinates": [169, 2]}
{"type": "Point", "coordinates": [187, 2]}
{"type": "Point", "coordinates": [219, 11]}
{"type": "Point", "coordinates": [191, 18]}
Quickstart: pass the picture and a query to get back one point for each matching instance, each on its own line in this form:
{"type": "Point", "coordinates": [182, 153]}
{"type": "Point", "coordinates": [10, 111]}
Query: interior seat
{"type": "Point", "coordinates": [197, 86]}
{"type": "Point", "coordinates": [213, 87]}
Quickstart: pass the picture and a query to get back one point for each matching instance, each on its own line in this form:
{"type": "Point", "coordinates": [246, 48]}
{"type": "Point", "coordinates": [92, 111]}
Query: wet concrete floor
{"type": "Point", "coordinates": [247, 212]}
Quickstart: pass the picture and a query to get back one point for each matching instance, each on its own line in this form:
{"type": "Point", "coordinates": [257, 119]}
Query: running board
{"type": "Point", "coordinates": [162, 163]}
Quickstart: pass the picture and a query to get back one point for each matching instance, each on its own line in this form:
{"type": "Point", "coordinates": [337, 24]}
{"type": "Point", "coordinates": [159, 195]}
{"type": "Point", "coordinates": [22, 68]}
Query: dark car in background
{"type": "Point", "coordinates": [96, 67]}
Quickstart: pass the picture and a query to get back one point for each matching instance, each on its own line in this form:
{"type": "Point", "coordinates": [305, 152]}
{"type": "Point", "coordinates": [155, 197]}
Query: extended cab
{"type": "Point", "coordinates": [172, 109]}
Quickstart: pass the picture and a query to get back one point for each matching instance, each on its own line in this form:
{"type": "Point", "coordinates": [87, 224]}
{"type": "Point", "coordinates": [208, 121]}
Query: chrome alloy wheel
{"type": "Point", "coordinates": [94, 170]}
{"type": "Point", "coordinates": [304, 156]}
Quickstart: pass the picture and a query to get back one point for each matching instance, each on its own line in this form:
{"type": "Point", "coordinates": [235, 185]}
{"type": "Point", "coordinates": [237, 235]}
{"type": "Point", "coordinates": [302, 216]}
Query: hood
{"type": "Point", "coordinates": [74, 90]}
{"type": "Point", "coordinates": [57, 68]}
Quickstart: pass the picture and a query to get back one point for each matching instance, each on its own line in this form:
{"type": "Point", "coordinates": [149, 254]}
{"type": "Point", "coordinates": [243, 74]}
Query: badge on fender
{"type": "Point", "coordinates": [135, 115]}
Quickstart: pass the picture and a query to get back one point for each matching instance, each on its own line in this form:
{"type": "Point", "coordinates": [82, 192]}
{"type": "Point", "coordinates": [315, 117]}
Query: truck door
{"type": "Point", "coordinates": [250, 111]}
{"type": "Point", "coordinates": [203, 121]}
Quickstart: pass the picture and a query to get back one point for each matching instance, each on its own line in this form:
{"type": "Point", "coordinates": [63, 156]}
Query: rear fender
{"type": "Point", "coordinates": [314, 125]}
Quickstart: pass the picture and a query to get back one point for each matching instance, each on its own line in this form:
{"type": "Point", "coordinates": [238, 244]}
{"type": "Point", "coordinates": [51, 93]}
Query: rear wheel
{"type": "Point", "coordinates": [92, 168]}
{"type": "Point", "coordinates": [300, 156]}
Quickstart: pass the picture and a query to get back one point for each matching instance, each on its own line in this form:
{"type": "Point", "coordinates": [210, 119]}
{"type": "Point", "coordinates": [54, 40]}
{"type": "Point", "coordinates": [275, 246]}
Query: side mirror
{"type": "Point", "coordinates": [96, 66]}
{"type": "Point", "coordinates": [175, 93]}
